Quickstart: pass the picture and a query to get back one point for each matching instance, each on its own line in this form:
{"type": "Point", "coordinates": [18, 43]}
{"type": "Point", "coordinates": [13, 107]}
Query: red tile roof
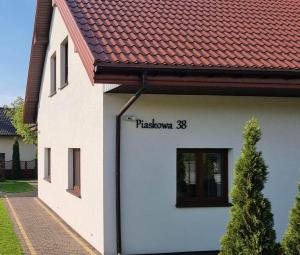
{"type": "Point", "coordinates": [6, 126]}
{"type": "Point", "coordinates": [187, 47]}
{"type": "Point", "coordinates": [256, 34]}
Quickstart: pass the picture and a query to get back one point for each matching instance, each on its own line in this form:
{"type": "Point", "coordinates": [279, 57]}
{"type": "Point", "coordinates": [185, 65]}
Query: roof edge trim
{"type": "Point", "coordinates": [40, 40]}
{"type": "Point", "coordinates": [39, 44]}
{"type": "Point", "coordinates": [80, 43]}
{"type": "Point", "coordinates": [199, 81]}
{"type": "Point", "coordinates": [106, 68]}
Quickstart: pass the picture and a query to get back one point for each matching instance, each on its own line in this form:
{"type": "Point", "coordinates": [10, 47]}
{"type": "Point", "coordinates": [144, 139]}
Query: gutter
{"type": "Point", "coordinates": [118, 160]}
{"type": "Point", "coordinates": [178, 70]}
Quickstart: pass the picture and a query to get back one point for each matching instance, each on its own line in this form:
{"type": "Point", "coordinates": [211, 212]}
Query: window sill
{"type": "Point", "coordinates": [52, 94]}
{"type": "Point", "coordinates": [202, 204]}
{"type": "Point", "coordinates": [64, 85]}
{"type": "Point", "coordinates": [74, 193]}
{"type": "Point", "coordinates": [47, 179]}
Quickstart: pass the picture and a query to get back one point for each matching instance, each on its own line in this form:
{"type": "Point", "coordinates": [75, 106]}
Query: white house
{"type": "Point", "coordinates": [7, 138]}
{"type": "Point", "coordinates": [140, 107]}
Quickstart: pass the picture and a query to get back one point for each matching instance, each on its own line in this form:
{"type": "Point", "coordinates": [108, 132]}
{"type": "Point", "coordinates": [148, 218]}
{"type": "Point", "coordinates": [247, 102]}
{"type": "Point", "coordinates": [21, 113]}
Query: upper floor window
{"type": "Point", "coordinates": [64, 63]}
{"type": "Point", "coordinates": [53, 75]}
{"type": "Point", "coordinates": [202, 177]}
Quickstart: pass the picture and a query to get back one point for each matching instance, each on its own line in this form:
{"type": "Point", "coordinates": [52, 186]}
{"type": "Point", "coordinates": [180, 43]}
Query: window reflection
{"type": "Point", "coordinates": [187, 175]}
{"type": "Point", "coordinates": [202, 177]}
{"type": "Point", "coordinates": [212, 175]}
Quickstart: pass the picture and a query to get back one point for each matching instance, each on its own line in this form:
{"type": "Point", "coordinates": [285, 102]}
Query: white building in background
{"type": "Point", "coordinates": [140, 108]}
{"type": "Point", "coordinates": [7, 138]}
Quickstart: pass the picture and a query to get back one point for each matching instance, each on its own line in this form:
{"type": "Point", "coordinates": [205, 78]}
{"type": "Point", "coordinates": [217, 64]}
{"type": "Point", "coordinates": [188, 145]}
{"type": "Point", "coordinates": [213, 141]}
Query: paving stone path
{"type": "Point", "coordinates": [41, 231]}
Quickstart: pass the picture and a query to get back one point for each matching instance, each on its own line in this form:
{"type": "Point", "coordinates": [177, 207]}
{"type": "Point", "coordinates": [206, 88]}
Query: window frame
{"type": "Point", "coordinates": [53, 74]}
{"type": "Point", "coordinates": [64, 62]}
{"type": "Point", "coordinates": [76, 186]}
{"type": "Point", "coordinates": [200, 200]}
{"type": "Point", "coordinates": [72, 187]}
{"type": "Point", "coordinates": [3, 164]}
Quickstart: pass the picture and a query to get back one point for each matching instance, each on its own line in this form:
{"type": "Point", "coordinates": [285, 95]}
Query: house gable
{"type": "Point", "coordinates": [77, 74]}
{"type": "Point", "coordinates": [40, 41]}
{"type": "Point", "coordinates": [70, 118]}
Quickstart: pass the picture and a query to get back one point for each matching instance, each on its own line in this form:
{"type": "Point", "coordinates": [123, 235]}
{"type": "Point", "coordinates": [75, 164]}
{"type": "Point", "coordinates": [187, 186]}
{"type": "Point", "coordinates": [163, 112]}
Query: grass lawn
{"type": "Point", "coordinates": [9, 243]}
{"type": "Point", "coordinates": [10, 186]}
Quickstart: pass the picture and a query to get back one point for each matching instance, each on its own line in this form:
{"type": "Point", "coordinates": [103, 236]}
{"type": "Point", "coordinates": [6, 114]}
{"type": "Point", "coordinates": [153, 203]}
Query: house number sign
{"type": "Point", "coordinates": [153, 124]}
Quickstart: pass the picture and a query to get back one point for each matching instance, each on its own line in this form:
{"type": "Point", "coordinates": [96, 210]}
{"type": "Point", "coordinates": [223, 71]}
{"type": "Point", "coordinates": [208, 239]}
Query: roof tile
{"type": "Point", "coordinates": [215, 33]}
{"type": "Point", "coordinates": [6, 127]}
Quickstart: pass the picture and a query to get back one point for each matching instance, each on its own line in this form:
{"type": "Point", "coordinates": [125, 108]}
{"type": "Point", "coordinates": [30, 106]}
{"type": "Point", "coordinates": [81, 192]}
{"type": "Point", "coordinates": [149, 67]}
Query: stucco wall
{"type": "Point", "coordinates": [150, 221]}
{"type": "Point", "coordinates": [27, 151]}
{"type": "Point", "coordinates": [72, 118]}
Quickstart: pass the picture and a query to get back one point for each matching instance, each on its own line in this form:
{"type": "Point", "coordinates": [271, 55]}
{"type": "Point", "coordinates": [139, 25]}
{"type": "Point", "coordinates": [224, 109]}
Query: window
{"type": "Point", "coordinates": [202, 177]}
{"type": "Point", "coordinates": [53, 75]}
{"type": "Point", "coordinates": [64, 63]}
{"type": "Point", "coordinates": [47, 156]}
{"type": "Point", "coordinates": [74, 171]}
{"type": "Point", "coordinates": [2, 165]}
{"type": "Point", "coordinates": [2, 160]}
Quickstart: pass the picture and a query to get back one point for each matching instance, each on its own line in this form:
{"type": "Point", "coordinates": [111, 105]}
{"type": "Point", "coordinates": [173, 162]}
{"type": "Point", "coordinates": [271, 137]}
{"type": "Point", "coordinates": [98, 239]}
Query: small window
{"type": "Point", "coordinates": [64, 63]}
{"type": "Point", "coordinates": [74, 171]}
{"type": "Point", "coordinates": [202, 177]}
{"type": "Point", "coordinates": [53, 75]}
{"type": "Point", "coordinates": [2, 160]}
{"type": "Point", "coordinates": [47, 176]}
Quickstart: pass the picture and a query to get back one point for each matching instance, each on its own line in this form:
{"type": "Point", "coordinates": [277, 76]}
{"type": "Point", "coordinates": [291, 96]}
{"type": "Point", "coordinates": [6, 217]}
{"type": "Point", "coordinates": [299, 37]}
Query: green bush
{"type": "Point", "coordinates": [250, 228]}
{"type": "Point", "coordinates": [16, 164]}
{"type": "Point", "coordinates": [291, 240]}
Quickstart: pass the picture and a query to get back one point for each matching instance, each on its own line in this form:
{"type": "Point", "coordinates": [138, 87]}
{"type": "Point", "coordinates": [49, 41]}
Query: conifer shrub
{"type": "Point", "coordinates": [2, 172]}
{"type": "Point", "coordinates": [250, 228]}
{"type": "Point", "coordinates": [291, 239]}
{"type": "Point", "coordinates": [16, 164]}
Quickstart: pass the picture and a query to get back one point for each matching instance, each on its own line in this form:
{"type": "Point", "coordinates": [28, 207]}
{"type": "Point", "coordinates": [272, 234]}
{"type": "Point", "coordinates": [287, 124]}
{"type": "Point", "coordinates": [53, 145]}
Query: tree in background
{"type": "Point", "coordinates": [250, 229]}
{"type": "Point", "coordinates": [2, 171]}
{"type": "Point", "coordinates": [16, 164]}
{"type": "Point", "coordinates": [291, 239]}
{"type": "Point", "coordinates": [15, 113]}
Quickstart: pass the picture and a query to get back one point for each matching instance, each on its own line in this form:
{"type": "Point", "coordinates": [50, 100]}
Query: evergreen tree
{"type": "Point", "coordinates": [2, 172]}
{"type": "Point", "coordinates": [291, 239]}
{"type": "Point", "coordinates": [250, 229]}
{"type": "Point", "coordinates": [16, 164]}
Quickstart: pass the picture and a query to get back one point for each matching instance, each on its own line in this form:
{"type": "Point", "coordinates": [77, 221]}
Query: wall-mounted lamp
{"type": "Point", "coordinates": [130, 118]}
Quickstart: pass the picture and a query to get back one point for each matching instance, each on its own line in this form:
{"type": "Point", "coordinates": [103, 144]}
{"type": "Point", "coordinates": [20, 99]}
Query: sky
{"type": "Point", "coordinates": [16, 26]}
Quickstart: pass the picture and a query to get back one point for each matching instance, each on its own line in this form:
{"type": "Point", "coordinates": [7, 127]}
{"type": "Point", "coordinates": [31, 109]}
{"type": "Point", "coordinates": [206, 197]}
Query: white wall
{"type": "Point", "coordinates": [150, 221]}
{"type": "Point", "coordinates": [72, 118]}
{"type": "Point", "coordinates": [27, 151]}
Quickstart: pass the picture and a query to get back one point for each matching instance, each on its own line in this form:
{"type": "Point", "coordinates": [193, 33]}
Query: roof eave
{"type": "Point", "coordinates": [39, 45]}
{"type": "Point", "coordinates": [203, 81]}
{"type": "Point", "coordinates": [131, 68]}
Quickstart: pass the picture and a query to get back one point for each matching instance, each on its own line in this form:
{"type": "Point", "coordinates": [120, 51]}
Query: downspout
{"type": "Point", "coordinates": [118, 161]}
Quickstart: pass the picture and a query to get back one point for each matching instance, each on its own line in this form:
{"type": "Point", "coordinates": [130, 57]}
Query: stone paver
{"type": "Point", "coordinates": [47, 236]}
